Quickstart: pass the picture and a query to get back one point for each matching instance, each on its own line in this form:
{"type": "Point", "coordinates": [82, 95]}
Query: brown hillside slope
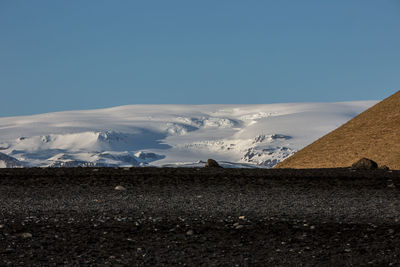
{"type": "Point", "coordinates": [374, 134]}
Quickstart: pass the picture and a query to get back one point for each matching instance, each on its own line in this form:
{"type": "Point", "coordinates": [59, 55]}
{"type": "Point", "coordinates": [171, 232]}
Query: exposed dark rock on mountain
{"type": "Point", "coordinates": [9, 162]}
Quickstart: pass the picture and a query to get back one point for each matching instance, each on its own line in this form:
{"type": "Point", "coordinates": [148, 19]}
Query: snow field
{"type": "Point", "coordinates": [171, 135]}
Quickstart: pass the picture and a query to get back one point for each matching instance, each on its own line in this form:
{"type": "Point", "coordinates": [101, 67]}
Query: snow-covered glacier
{"type": "Point", "coordinates": [170, 135]}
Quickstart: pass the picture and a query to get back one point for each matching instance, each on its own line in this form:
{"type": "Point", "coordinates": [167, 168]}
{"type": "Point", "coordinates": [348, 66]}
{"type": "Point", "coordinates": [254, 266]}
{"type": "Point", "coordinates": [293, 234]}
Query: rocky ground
{"type": "Point", "coordinates": [177, 216]}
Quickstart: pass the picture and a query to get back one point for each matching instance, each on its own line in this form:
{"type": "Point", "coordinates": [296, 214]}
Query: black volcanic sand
{"type": "Point", "coordinates": [189, 216]}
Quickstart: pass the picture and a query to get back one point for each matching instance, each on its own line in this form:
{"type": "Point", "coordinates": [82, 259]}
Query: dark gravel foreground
{"type": "Point", "coordinates": [189, 216]}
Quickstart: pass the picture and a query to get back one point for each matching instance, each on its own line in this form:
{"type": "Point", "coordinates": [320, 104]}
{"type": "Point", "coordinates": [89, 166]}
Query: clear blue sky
{"type": "Point", "coordinates": [63, 55]}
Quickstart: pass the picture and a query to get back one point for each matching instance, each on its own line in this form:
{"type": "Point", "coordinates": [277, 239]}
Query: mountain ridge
{"type": "Point", "coordinates": [9, 162]}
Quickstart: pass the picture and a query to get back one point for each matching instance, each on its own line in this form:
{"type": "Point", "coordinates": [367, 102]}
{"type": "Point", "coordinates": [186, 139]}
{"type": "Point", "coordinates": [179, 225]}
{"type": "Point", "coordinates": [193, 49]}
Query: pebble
{"type": "Point", "coordinates": [120, 188]}
{"type": "Point", "coordinates": [241, 217]}
{"type": "Point", "coordinates": [190, 232]}
{"type": "Point", "coordinates": [26, 235]}
{"type": "Point", "coordinates": [1, 226]}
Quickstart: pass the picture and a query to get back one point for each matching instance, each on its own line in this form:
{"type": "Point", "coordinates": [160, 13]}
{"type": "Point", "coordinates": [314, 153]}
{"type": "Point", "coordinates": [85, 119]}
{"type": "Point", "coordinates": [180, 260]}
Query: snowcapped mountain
{"type": "Point", "coordinates": [170, 135]}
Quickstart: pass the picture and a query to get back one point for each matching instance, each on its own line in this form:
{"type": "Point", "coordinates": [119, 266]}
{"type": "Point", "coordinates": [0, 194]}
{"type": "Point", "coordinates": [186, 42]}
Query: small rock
{"type": "Point", "coordinates": [241, 217]}
{"type": "Point", "coordinates": [312, 227]}
{"type": "Point", "coordinates": [212, 164]}
{"type": "Point", "coordinates": [391, 231]}
{"type": "Point", "coordinates": [365, 164]}
{"type": "Point", "coordinates": [120, 188]}
{"type": "Point", "coordinates": [190, 232]}
{"type": "Point", "coordinates": [384, 168]}
{"type": "Point", "coordinates": [26, 235]}
{"type": "Point", "coordinates": [1, 226]}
